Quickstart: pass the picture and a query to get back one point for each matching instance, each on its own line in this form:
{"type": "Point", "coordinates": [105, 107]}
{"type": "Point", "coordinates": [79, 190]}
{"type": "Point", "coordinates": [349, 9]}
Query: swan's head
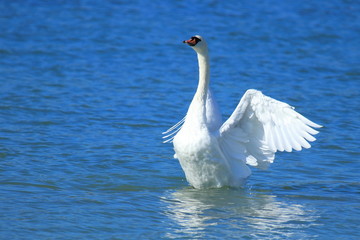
{"type": "Point", "coordinates": [198, 43]}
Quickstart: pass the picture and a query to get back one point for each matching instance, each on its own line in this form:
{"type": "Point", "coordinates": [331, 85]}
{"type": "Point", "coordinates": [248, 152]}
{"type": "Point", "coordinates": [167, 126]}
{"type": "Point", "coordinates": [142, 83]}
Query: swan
{"type": "Point", "coordinates": [213, 154]}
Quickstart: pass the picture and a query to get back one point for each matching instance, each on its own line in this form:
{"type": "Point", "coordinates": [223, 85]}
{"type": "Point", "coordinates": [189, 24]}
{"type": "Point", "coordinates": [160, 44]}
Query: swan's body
{"type": "Point", "coordinates": [213, 154]}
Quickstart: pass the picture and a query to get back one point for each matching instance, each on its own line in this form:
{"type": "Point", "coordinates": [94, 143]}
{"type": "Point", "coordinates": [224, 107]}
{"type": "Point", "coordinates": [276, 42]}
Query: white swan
{"type": "Point", "coordinates": [213, 154]}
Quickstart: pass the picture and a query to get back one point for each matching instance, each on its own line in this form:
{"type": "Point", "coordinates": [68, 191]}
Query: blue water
{"type": "Point", "coordinates": [87, 87]}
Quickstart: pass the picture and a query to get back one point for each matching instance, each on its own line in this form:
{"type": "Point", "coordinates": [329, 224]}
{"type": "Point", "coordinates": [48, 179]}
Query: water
{"type": "Point", "coordinates": [87, 87]}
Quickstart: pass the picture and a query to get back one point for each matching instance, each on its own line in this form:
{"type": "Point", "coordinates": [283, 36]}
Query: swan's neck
{"type": "Point", "coordinates": [204, 77]}
{"type": "Point", "coordinates": [196, 115]}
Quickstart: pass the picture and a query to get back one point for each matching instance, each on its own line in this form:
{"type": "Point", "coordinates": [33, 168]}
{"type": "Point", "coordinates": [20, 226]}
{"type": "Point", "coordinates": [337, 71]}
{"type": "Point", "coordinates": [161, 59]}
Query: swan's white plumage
{"type": "Point", "coordinates": [215, 155]}
{"type": "Point", "coordinates": [266, 125]}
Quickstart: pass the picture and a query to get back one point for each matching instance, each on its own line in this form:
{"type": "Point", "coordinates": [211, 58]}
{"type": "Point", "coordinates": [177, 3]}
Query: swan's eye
{"type": "Point", "coordinates": [196, 39]}
{"type": "Point", "coordinates": [192, 41]}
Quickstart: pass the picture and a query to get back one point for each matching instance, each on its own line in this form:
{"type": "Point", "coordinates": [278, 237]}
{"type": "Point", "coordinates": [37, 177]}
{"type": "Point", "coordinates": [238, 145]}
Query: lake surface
{"type": "Point", "coordinates": [87, 88]}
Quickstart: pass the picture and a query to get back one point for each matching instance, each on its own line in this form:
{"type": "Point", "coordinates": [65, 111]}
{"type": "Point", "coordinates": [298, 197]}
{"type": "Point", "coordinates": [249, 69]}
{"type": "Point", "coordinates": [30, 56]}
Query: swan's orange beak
{"type": "Point", "coordinates": [191, 42]}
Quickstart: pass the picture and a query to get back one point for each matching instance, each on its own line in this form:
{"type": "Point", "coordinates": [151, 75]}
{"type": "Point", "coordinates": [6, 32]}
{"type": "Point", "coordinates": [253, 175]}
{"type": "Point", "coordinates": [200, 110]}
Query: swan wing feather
{"type": "Point", "coordinates": [262, 126]}
{"type": "Point", "coordinates": [171, 132]}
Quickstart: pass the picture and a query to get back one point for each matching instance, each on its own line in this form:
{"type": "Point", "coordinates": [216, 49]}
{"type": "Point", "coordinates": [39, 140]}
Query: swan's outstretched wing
{"type": "Point", "coordinates": [260, 126]}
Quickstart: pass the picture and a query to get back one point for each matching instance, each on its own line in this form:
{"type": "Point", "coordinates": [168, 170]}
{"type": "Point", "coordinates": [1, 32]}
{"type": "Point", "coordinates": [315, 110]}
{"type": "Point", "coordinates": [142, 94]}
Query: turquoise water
{"type": "Point", "coordinates": [87, 87]}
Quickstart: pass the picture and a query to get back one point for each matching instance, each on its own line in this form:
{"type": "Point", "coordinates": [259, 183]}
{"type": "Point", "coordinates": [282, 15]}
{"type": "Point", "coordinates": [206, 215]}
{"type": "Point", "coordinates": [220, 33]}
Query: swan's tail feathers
{"type": "Point", "coordinates": [171, 132]}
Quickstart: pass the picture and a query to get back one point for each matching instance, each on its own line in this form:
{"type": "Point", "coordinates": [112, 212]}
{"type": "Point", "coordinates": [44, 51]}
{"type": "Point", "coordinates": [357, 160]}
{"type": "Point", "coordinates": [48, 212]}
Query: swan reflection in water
{"type": "Point", "coordinates": [196, 212]}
